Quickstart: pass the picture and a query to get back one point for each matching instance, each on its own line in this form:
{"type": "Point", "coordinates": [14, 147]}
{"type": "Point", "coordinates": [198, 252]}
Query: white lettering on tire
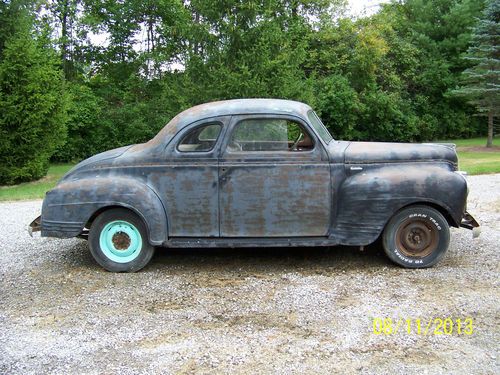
{"type": "Point", "coordinates": [417, 215]}
{"type": "Point", "coordinates": [402, 257]}
{"type": "Point", "coordinates": [434, 221]}
{"type": "Point", "coordinates": [424, 216]}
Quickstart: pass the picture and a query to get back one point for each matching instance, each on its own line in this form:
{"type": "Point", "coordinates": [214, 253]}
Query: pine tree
{"type": "Point", "coordinates": [32, 102]}
{"type": "Point", "coordinates": [481, 81]}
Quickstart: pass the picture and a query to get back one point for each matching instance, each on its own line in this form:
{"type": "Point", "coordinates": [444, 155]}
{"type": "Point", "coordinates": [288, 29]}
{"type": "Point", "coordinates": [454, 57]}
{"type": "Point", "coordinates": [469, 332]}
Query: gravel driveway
{"type": "Point", "coordinates": [250, 310]}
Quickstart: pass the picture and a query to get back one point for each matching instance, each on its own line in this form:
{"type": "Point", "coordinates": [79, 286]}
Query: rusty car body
{"type": "Point", "coordinates": [258, 172]}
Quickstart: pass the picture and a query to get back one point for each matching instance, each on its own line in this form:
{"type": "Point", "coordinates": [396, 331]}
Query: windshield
{"type": "Point", "coordinates": [319, 127]}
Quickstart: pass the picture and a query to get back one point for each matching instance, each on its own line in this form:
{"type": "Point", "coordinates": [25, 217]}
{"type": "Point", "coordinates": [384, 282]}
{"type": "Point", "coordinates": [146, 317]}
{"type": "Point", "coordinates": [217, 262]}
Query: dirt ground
{"type": "Point", "coordinates": [248, 311]}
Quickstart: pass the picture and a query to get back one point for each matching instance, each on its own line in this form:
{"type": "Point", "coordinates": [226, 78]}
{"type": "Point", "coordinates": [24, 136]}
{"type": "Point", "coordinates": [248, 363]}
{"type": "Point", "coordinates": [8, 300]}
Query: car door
{"type": "Point", "coordinates": [189, 184]}
{"type": "Point", "coordinates": [274, 179]}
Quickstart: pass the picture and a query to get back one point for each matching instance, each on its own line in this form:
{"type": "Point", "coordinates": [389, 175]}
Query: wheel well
{"type": "Point", "coordinates": [89, 222]}
{"type": "Point", "coordinates": [443, 211]}
{"type": "Point", "coordinates": [107, 208]}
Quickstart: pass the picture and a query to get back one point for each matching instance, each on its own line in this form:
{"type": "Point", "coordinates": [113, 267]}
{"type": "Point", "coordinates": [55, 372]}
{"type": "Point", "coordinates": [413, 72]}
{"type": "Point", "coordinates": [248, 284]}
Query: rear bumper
{"type": "Point", "coordinates": [56, 229]}
{"type": "Point", "coordinates": [35, 226]}
{"type": "Point", "coordinates": [469, 222]}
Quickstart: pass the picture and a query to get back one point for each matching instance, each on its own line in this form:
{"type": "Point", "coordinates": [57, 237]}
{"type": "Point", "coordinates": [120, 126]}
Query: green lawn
{"type": "Point", "coordinates": [472, 155]}
{"type": "Point", "coordinates": [471, 142]}
{"type": "Point", "coordinates": [475, 158]}
{"type": "Point", "coordinates": [479, 162]}
{"type": "Point", "coordinates": [36, 189]}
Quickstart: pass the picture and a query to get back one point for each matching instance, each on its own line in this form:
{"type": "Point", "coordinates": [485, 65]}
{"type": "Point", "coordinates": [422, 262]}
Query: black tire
{"type": "Point", "coordinates": [416, 237]}
{"type": "Point", "coordinates": [135, 240]}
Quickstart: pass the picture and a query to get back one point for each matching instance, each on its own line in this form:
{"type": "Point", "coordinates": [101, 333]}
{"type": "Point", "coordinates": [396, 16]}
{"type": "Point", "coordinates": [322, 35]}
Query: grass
{"type": "Point", "coordinates": [479, 162]}
{"type": "Point", "coordinates": [473, 158]}
{"type": "Point", "coordinates": [35, 189]}
{"type": "Point", "coordinates": [471, 142]}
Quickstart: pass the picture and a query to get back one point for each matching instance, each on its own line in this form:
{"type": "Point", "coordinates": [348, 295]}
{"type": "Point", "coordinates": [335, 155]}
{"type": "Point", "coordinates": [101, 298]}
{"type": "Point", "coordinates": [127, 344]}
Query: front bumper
{"type": "Point", "coordinates": [469, 222]}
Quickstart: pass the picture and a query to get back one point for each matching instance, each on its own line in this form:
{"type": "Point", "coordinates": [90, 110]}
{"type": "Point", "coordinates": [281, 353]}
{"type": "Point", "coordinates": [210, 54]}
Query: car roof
{"type": "Point", "coordinates": [226, 108]}
{"type": "Point", "coordinates": [243, 106]}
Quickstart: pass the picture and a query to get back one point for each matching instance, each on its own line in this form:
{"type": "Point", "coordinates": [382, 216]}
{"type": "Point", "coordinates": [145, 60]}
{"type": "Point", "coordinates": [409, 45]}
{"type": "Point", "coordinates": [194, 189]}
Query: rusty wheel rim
{"type": "Point", "coordinates": [121, 241]}
{"type": "Point", "coordinates": [417, 238]}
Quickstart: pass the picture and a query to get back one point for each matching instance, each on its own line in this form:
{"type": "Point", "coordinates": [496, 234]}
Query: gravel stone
{"type": "Point", "coordinates": [284, 311]}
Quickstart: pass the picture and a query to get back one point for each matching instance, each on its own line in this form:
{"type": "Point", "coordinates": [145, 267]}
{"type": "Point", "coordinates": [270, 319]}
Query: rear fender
{"type": "Point", "coordinates": [67, 208]}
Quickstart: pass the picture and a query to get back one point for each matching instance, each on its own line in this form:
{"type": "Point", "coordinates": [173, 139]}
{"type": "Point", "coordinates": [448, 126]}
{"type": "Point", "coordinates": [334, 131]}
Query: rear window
{"type": "Point", "coordinates": [200, 139]}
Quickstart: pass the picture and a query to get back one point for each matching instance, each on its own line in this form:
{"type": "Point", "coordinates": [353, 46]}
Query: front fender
{"type": "Point", "coordinates": [369, 197]}
{"type": "Point", "coordinates": [69, 206]}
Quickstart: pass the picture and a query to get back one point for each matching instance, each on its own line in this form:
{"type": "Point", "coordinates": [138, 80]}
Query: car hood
{"type": "Point", "coordinates": [384, 152]}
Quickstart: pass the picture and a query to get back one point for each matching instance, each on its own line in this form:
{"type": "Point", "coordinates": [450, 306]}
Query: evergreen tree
{"type": "Point", "coordinates": [481, 81]}
{"type": "Point", "coordinates": [32, 103]}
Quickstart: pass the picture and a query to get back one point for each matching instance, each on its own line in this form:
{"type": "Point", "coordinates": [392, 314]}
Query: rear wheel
{"type": "Point", "coordinates": [416, 237]}
{"type": "Point", "coordinates": [118, 241]}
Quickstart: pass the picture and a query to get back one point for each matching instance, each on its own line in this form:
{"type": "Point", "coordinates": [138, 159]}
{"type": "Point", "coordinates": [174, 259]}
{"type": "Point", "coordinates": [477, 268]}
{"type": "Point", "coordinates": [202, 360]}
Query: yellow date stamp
{"type": "Point", "coordinates": [423, 327]}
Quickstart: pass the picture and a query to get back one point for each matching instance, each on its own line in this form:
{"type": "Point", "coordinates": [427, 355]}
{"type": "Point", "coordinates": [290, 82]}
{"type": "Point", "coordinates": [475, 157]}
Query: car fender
{"type": "Point", "coordinates": [71, 204]}
{"type": "Point", "coordinates": [371, 194]}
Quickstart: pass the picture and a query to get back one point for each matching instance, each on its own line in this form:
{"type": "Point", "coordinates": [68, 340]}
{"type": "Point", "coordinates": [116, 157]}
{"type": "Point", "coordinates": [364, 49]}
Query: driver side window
{"type": "Point", "coordinates": [268, 134]}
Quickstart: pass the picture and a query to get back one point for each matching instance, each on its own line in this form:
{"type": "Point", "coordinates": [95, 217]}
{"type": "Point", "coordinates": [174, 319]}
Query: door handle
{"type": "Point", "coordinates": [223, 174]}
{"type": "Point", "coordinates": [356, 168]}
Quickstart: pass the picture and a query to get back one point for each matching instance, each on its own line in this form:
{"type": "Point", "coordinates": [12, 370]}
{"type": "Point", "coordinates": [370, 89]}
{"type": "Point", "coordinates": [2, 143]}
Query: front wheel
{"type": "Point", "coordinates": [416, 237]}
{"type": "Point", "coordinates": [118, 241]}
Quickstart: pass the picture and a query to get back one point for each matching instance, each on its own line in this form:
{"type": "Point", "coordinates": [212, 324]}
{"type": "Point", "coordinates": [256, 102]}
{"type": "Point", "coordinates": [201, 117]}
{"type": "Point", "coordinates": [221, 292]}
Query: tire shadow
{"type": "Point", "coordinates": [247, 260]}
{"type": "Point", "coordinates": [279, 259]}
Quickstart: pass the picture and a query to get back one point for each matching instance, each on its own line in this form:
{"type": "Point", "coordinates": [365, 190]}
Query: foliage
{"type": "Point", "coordinates": [131, 66]}
{"type": "Point", "coordinates": [32, 103]}
{"type": "Point", "coordinates": [338, 105]}
{"type": "Point", "coordinates": [481, 83]}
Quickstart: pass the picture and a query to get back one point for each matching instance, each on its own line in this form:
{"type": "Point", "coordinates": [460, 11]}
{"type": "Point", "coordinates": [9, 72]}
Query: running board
{"type": "Point", "coordinates": [177, 242]}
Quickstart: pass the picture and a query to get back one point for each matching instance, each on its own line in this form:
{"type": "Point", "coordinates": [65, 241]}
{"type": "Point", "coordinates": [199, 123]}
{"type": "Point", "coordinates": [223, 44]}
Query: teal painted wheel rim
{"type": "Point", "coordinates": [120, 241]}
